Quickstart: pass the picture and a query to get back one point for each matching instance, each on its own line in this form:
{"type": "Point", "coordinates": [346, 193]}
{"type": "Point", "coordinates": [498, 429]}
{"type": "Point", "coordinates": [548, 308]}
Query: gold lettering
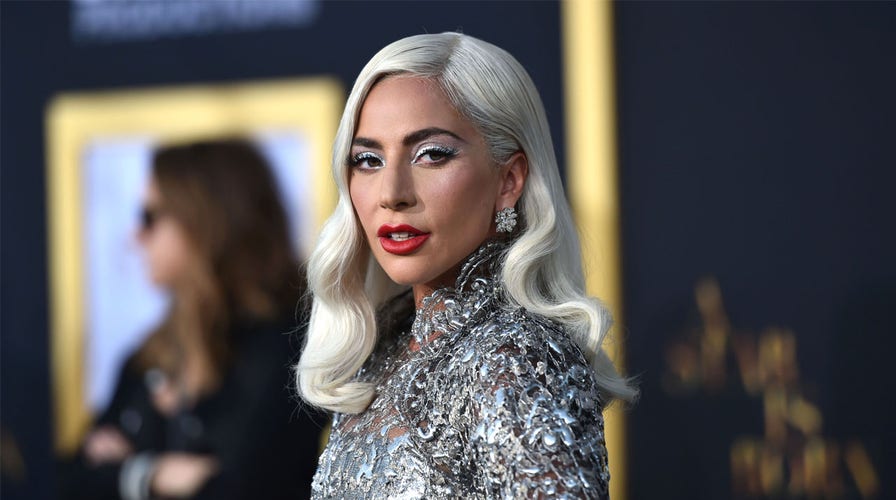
{"type": "Point", "coordinates": [713, 343]}
{"type": "Point", "coordinates": [859, 464]}
{"type": "Point", "coordinates": [777, 357]}
{"type": "Point", "coordinates": [804, 416]}
{"type": "Point", "coordinates": [683, 372]}
{"type": "Point", "coordinates": [746, 354]}
{"type": "Point", "coordinates": [745, 454]}
{"type": "Point", "coordinates": [792, 458]}
{"type": "Point", "coordinates": [775, 406]}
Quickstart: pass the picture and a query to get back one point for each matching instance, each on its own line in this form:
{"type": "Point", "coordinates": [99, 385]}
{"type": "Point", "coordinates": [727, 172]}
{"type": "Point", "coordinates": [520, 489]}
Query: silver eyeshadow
{"type": "Point", "coordinates": [445, 152]}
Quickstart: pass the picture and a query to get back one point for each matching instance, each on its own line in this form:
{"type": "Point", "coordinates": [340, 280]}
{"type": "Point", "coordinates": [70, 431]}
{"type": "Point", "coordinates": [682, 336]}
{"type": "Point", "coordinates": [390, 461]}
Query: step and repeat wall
{"type": "Point", "coordinates": [745, 151]}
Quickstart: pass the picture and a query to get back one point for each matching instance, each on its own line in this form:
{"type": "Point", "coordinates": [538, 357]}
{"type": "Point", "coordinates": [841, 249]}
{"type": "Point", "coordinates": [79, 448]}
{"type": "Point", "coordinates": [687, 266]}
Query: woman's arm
{"type": "Point", "coordinates": [538, 425]}
{"type": "Point", "coordinates": [266, 445]}
{"type": "Point", "coordinates": [127, 426]}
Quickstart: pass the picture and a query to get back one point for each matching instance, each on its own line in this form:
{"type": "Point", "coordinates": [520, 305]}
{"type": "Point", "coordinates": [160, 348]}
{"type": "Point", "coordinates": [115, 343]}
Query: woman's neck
{"type": "Point", "coordinates": [447, 279]}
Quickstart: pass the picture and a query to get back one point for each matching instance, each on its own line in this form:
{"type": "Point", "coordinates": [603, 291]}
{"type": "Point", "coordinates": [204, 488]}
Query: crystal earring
{"type": "Point", "coordinates": [506, 220]}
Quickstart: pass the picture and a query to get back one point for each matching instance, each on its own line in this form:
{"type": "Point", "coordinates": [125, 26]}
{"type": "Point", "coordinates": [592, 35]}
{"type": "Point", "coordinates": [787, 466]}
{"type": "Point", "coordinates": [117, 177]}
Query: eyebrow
{"type": "Point", "coordinates": [409, 139]}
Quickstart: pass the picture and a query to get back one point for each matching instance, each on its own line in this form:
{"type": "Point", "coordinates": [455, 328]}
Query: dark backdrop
{"type": "Point", "coordinates": [756, 147]}
{"type": "Point", "coordinates": [756, 143]}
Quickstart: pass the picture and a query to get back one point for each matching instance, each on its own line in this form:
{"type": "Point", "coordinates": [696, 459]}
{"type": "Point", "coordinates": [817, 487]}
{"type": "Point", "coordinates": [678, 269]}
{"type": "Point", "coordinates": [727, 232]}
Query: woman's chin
{"type": "Point", "coordinates": [404, 279]}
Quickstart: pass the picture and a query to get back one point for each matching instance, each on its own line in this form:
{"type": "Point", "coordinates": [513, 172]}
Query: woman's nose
{"type": "Point", "coordinates": [397, 186]}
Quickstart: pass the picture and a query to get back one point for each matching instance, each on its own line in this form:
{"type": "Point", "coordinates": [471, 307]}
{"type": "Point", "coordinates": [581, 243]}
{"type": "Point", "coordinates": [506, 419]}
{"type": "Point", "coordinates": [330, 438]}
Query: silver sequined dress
{"type": "Point", "coordinates": [478, 399]}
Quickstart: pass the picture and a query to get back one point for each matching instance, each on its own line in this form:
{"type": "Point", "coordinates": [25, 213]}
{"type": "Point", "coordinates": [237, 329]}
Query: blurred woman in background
{"type": "Point", "coordinates": [202, 409]}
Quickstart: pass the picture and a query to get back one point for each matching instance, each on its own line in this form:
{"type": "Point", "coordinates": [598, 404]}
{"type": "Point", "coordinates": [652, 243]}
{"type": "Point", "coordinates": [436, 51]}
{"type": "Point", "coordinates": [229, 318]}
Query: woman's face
{"type": "Point", "coordinates": [163, 239]}
{"type": "Point", "coordinates": [423, 183]}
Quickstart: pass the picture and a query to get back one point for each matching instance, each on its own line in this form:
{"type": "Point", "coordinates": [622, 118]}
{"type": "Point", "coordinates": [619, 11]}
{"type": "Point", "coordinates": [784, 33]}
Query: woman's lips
{"type": "Point", "coordinates": [401, 239]}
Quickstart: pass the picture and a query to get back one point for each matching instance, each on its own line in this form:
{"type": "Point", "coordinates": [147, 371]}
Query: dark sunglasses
{"type": "Point", "coordinates": [149, 216]}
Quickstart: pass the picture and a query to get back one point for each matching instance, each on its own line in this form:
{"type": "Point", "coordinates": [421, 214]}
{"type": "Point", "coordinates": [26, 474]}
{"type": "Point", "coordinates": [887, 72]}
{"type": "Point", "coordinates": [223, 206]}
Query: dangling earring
{"type": "Point", "coordinates": [506, 220]}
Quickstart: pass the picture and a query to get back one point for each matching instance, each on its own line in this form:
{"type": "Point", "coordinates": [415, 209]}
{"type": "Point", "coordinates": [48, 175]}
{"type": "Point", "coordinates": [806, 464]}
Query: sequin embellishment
{"type": "Point", "coordinates": [495, 403]}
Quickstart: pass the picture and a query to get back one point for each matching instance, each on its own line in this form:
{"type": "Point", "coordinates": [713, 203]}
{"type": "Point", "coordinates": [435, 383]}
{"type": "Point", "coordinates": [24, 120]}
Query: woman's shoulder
{"type": "Point", "coordinates": [513, 347]}
{"type": "Point", "coordinates": [533, 409]}
{"type": "Point", "coordinates": [519, 333]}
{"type": "Point", "coordinates": [267, 334]}
{"type": "Point", "coordinates": [264, 349]}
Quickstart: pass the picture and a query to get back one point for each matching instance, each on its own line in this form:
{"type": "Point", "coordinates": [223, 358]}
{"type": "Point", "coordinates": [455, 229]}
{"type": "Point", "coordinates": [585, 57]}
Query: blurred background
{"type": "Point", "coordinates": [754, 176]}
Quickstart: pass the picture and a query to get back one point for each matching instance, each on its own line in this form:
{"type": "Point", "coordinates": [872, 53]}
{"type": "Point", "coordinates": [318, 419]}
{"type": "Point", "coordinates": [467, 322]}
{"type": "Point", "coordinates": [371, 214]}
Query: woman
{"type": "Point", "coordinates": [201, 410]}
{"type": "Point", "coordinates": [450, 330]}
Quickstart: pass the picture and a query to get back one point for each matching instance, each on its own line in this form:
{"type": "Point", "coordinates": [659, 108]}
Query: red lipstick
{"type": "Point", "coordinates": [401, 239]}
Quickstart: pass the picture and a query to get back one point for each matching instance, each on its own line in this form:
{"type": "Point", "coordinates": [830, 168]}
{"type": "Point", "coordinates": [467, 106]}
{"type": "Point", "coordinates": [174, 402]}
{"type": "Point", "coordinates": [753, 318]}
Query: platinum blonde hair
{"type": "Point", "coordinates": [543, 267]}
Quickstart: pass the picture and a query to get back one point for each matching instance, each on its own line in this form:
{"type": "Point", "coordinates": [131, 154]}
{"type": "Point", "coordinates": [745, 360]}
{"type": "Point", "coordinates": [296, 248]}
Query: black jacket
{"type": "Point", "coordinates": [265, 441]}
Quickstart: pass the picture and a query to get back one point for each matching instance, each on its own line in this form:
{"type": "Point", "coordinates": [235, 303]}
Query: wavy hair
{"type": "Point", "coordinates": [543, 268]}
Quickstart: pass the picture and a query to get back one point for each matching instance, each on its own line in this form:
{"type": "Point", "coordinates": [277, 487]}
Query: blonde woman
{"type": "Point", "coordinates": [450, 332]}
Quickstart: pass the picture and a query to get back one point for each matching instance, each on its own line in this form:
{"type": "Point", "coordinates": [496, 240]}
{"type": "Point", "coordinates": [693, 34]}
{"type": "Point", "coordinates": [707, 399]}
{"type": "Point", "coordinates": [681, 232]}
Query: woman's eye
{"type": "Point", "coordinates": [366, 161]}
{"type": "Point", "coordinates": [434, 154]}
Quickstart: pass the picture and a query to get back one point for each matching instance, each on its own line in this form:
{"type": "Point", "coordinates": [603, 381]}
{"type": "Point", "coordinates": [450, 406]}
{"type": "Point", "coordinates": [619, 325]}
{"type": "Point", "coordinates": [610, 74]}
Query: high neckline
{"type": "Point", "coordinates": [484, 263]}
{"type": "Point", "coordinates": [446, 310]}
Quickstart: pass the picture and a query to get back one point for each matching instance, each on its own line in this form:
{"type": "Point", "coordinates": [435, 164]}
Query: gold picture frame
{"type": "Point", "coordinates": [311, 106]}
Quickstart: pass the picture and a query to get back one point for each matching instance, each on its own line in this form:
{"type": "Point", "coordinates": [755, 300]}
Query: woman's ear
{"type": "Point", "coordinates": [512, 181]}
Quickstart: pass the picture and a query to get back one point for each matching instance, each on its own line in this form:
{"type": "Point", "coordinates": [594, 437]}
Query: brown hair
{"type": "Point", "coordinates": [224, 196]}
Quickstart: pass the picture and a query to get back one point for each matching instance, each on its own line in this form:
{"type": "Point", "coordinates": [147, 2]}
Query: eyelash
{"type": "Point", "coordinates": [356, 161]}
{"type": "Point", "coordinates": [442, 154]}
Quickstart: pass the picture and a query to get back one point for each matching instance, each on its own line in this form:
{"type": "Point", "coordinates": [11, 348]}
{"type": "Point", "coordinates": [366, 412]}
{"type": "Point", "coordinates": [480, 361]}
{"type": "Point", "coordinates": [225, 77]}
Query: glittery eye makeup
{"type": "Point", "coordinates": [434, 154]}
{"type": "Point", "coordinates": [366, 160]}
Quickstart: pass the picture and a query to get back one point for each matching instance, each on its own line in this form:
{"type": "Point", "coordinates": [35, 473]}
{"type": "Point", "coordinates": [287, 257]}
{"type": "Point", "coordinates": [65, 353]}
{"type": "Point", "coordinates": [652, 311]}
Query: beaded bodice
{"type": "Point", "coordinates": [479, 399]}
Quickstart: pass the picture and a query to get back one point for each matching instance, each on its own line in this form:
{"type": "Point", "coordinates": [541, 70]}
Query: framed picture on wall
{"type": "Point", "coordinates": [99, 153]}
